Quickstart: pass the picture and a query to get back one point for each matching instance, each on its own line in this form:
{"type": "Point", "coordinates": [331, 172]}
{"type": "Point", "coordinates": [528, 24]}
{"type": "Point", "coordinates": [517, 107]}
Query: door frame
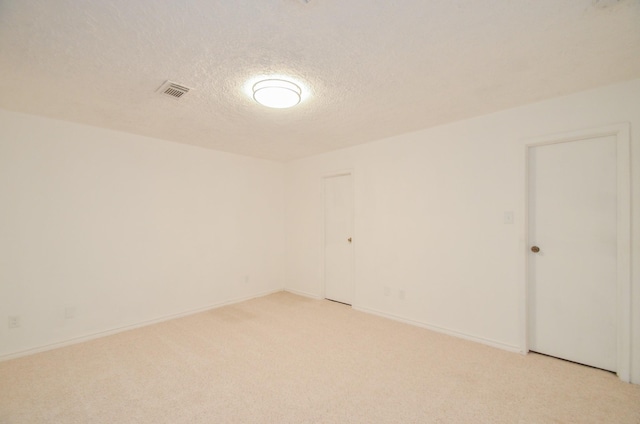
{"type": "Point", "coordinates": [623, 269]}
{"type": "Point", "coordinates": [323, 180]}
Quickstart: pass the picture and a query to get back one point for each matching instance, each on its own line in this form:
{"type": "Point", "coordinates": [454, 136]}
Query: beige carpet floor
{"type": "Point", "coordinates": [288, 359]}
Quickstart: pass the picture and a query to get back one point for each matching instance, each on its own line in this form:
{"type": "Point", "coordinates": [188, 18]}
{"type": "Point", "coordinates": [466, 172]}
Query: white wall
{"type": "Point", "coordinates": [124, 229]}
{"type": "Point", "coordinates": [429, 210]}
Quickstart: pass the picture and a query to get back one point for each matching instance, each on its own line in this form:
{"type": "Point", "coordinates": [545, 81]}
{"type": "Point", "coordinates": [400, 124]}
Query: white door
{"type": "Point", "coordinates": [338, 239]}
{"type": "Point", "coordinates": [572, 278]}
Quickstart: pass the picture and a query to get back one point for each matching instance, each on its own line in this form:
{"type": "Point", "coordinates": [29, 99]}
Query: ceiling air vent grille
{"type": "Point", "coordinates": [172, 89]}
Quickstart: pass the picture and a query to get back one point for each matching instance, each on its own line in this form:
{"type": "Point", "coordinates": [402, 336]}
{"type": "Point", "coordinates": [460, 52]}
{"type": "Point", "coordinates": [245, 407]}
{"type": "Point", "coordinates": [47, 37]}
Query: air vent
{"type": "Point", "coordinates": [172, 89]}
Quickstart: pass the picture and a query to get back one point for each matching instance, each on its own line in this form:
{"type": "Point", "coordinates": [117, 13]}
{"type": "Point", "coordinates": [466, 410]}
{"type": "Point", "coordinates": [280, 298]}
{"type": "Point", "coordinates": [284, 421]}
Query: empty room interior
{"type": "Point", "coordinates": [318, 211]}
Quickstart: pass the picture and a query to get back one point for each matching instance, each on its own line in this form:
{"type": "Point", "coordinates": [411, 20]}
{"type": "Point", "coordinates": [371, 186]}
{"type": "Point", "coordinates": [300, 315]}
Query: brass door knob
{"type": "Point", "coordinates": [349, 240]}
{"type": "Point", "coordinates": [535, 249]}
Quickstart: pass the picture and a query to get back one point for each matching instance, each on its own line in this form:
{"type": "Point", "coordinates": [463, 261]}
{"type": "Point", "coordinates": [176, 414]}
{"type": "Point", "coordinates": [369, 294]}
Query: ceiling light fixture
{"type": "Point", "coordinates": [277, 93]}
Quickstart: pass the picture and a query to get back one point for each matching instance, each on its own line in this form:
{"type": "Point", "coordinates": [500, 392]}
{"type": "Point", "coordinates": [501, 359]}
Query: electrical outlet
{"type": "Point", "coordinates": [246, 279]}
{"type": "Point", "coordinates": [69, 312]}
{"type": "Point", "coordinates": [401, 294]}
{"type": "Point", "coordinates": [14, 321]}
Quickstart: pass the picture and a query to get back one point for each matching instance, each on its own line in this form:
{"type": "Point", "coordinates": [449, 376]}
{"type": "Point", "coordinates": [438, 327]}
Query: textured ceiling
{"type": "Point", "coordinates": [371, 68]}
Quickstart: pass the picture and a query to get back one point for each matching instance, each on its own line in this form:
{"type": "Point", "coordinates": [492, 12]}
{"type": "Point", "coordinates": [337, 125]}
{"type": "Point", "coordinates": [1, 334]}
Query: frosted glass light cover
{"type": "Point", "coordinates": [275, 93]}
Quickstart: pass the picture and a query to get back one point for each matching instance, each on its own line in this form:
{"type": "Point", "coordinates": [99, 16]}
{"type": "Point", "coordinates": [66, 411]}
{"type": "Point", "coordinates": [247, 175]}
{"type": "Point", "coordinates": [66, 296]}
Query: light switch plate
{"type": "Point", "coordinates": [508, 217]}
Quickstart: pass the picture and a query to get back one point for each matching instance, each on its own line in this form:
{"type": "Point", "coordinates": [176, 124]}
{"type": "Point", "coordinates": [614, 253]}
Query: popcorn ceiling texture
{"type": "Point", "coordinates": [286, 359]}
{"type": "Point", "coordinates": [372, 68]}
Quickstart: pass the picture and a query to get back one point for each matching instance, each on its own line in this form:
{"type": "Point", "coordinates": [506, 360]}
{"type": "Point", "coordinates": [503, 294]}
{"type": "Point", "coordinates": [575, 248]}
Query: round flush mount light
{"type": "Point", "coordinates": [277, 93]}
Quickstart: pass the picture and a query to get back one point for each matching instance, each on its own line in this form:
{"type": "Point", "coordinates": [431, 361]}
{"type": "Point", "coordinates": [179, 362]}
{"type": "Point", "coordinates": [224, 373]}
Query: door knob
{"type": "Point", "coordinates": [349, 239]}
{"type": "Point", "coordinates": [535, 249]}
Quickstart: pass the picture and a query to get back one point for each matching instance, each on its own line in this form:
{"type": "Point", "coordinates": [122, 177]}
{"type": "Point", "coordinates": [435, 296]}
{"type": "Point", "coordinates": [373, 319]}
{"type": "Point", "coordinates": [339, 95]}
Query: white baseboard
{"type": "Point", "coordinates": [302, 293]}
{"type": "Point", "coordinates": [92, 336]}
{"type": "Point", "coordinates": [482, 340]}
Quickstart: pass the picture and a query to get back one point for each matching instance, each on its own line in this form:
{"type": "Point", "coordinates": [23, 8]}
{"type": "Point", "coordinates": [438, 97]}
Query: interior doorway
{"type": "Point", "coordinates": [338, 238]}
{"type": "Point", "coordinates": [578, 258]}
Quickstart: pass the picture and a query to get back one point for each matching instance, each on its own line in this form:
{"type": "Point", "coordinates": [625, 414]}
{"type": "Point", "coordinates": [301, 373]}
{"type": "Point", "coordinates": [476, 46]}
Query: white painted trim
{"type": "Point", "coordinates": [92, 336]}
{"type": "Point", "coordinates": [304, 294]}
{"type": "Point", "coordinates": [623, 305]}
{"type": "Point", "coordinates": [324, 177]}
{"type": "Point", "coordinates": [339, 173]}
{"type": "Point", "coordinates": [624, 252]}
{"type": "Point", "coordinates": [443, 330]}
